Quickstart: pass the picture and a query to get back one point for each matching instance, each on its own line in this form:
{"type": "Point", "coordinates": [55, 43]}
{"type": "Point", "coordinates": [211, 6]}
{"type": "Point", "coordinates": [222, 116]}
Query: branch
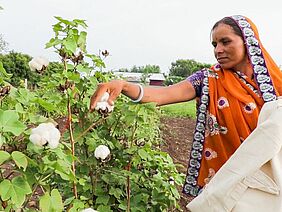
{"type": "Point", "coordinates": [72, 145]}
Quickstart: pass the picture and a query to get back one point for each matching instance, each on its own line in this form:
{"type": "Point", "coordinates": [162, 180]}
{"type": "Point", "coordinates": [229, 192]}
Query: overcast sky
{"type": "Point", "coordinates": [138, 32]}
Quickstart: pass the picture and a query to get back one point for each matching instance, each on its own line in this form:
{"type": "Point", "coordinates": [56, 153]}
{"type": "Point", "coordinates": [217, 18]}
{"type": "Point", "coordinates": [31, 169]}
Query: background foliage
{"type": "Point", "coordinates": [184, 68]}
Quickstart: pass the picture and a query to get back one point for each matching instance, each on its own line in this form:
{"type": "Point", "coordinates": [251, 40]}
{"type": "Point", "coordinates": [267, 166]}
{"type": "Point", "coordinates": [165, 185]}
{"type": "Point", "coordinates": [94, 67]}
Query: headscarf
{"type": "Point", "coordinates": [229, 106]}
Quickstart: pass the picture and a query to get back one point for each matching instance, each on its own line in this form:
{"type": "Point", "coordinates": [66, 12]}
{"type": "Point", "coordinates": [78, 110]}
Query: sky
{"type": "Point", "coordinates": [137, 32]}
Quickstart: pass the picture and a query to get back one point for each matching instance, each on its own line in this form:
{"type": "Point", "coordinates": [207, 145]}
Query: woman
{"type": "Point", "coordinates": [231, 95]}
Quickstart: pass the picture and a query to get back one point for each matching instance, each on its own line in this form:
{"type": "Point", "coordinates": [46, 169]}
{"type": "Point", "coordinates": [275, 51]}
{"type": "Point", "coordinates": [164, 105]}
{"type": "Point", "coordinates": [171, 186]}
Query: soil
{"type": "Point", "coordinates": [177, 134]}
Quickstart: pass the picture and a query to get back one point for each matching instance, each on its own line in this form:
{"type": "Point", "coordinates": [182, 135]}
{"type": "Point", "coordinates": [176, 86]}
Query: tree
{"type": "Point", "coordinates": [170, 80]}
{"type": "Point", "coordinates": [151, 69]}
{"type": "Point", "coordinates": [17, 64]}
{"type": "Point", "coordinates": [184, 68]}
{"type": "Point", "coordinates": [142, 69]}
{"type": "Point", "coordinates": [123, 70]}
{"type": "Point", "coordinates": [3, 44]}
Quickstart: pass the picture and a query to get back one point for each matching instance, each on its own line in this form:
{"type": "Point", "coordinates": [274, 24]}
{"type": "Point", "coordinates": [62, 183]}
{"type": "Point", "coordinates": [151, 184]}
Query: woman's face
{"type": "Point", "coordinates": [229, 48]}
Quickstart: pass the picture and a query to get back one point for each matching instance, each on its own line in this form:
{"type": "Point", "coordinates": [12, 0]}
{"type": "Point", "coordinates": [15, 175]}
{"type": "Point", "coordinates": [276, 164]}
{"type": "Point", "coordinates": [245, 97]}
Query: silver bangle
{"type": "Point", "coordinates": [141, 94]}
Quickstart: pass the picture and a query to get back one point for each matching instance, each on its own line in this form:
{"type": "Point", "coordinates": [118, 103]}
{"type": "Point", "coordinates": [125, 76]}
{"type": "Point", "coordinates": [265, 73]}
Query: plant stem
{"type": "Point", "coordinates": [90, 127]}
{"type": "Point", "coordinates": [72, 145]}
{"type": "Point", "coordinates": [128, 168]}
{"type": "Point", "coordinates": [90, 172]}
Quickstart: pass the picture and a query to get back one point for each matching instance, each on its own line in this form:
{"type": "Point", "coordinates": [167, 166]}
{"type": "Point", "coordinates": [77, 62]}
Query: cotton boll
{"type": "Point", "coordinates": [53, 143]}
{"type": "Point", "coordinates": [101, 152]}
{"type": "Point", "coordinates": [101, 106]}
{"type": "Point", "coordinates": [37, 140]}
{"type": "Point", "coordinates": [42, 132]}
{"type": "Point", "coordinates": [171, 180]}
{"type": "Point", "coordinates": [42, 61]}
{"type": "Point", "coordinates": [33, 65]}
{"type": "Point", "coordinates": [89, 210]}
{"type": "Point", "coordinates": [110, 108]}
{"type": "Point", "coordinates": [105, 97]}
{"type": "Point", "coordinates": [37, 63]}
{"type": "Point", "coordinates": [45, 133]}
{"type": "Point", "coordinates": [47, 126]}
{"type": "Point", "coordinates": [77, 52]}
{"type": "Point", "coordinates": [55, 136]}
{"type": "Point", "coordinates": [104, 106]}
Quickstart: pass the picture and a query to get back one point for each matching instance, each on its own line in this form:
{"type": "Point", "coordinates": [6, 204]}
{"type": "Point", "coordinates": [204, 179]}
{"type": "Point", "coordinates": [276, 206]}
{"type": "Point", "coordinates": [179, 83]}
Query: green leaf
{"type": "Point", "coordinates": [3, 74]}
{"type": "Point", "coordinates": [96, 60]}
{"type": "Point", "coordinates": [84, 69]}
{"type": "Point", "coordinates": [80, 22]}
{"type": "Point", "coordinates": [16, 190]}
{"type": "Point", "coordinates": [70, 44]}
{"type": "Point", "coordinates": [19, 108]}
{"type": "Point", "coordinates": [20, 159]}
{"type": "Point", "coordinates": [116, 192]}
{"type": "Point", "coordinates": [175, 192]}
{"type": "Point", "coordinates": [104, 208]}
{"type": "Point", "coordinates": [66, 22]}
{"type": "Point", "coordinates": [46, 105]}
{"type": "Point", "coordinates": [9, 122]}
{"type": "Point", "coordinates": [53, 42]}
{"type": "Point", "coordinates": [45, 203]}
{"type": "Point", "coordinates": [2, 140]}
{"type": "Point", "coordinates": [57, 27]}
{"type": "Point", "coordinates": [143, 154]}
{"type": "Point", "coordinates": [57, 200]}
{"type": "Point", "coordinates": [51, 203]}
{"type": "Point", "coordinates": [103, 199]}
{"type": "Point", "coordinates": [81, 42]}
{"type": "Point", "coordinates": [35, 118]}
{"type": "Point", "coordinates": [77, 205]}
{"type": "Point", "coordinates": [4, 156]}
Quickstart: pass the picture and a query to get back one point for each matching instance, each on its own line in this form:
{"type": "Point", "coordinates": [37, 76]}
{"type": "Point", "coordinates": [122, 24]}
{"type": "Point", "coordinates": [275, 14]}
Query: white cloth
{"type": "Point", "coordinates": [251, 180]}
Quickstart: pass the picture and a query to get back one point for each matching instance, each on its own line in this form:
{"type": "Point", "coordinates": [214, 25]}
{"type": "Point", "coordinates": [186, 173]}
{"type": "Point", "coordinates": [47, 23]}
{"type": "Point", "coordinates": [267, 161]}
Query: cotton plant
{"type": "Point", "coordinates": [38, 64]}
{"type": "Point", "coordinates": [102, 152]}
{"type": "Point", "coordinates": [45, 134]}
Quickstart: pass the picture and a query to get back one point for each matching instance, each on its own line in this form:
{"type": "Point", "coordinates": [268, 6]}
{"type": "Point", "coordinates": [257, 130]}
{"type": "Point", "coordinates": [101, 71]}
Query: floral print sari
{"type": "Point", "coordinates": [228, 109]}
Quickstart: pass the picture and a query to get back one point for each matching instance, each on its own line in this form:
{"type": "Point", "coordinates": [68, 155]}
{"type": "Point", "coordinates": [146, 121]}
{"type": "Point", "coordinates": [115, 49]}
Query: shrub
{"type": "Point", "coordinates": [134, 176]}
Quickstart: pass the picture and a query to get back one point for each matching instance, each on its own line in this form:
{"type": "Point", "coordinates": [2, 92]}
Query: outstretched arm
{"type": "Point", "coordinates": [180, 92]}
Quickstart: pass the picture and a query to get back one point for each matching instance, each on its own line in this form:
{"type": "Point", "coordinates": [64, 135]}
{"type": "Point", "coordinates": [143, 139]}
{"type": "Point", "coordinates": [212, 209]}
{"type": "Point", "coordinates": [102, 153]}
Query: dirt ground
{"type": "Point", "coordinates": [177, 134]}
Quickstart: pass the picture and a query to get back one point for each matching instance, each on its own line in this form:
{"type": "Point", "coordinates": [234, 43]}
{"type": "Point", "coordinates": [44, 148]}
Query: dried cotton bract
{"type": "Point", "coordinates": [38, 64]}
{"type": "Point", "coordinates": [102, 152]}
{"type": "Point", "coordinates": [45, 133]}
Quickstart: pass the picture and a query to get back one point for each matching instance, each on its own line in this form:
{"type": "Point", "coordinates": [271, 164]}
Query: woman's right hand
{"type": "Point", "coordinates": [114, 88]}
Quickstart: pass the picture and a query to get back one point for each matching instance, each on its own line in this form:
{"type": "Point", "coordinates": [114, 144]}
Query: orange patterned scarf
{"type": "Point", "coordinates": [229, 109]}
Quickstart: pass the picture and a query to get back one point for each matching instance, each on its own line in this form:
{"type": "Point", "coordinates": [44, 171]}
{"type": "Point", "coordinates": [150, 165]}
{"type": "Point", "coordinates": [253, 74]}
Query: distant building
{"type": "Point", "coordinates": [154, 79]}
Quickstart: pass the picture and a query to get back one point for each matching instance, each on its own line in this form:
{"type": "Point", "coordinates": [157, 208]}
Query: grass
{"type": "Point", "coordinates": [184, 109]}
